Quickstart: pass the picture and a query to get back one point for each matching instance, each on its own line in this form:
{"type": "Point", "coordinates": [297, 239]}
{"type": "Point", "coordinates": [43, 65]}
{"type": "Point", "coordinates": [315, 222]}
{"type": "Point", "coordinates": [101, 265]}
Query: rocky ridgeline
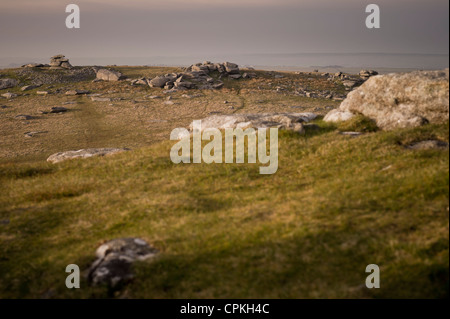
{"type": "Point", "coordinates": [198, 76]}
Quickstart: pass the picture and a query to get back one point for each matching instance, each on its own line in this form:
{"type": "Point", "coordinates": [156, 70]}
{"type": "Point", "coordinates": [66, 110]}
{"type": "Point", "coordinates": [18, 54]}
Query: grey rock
{"type": "Point", "coordinates": [58, 109]}
{"type": "Point", "coordinates": [109, 75]}
{"type": "Point", "coordinates": [24, 117]}
{"type": "Point", "coordinates": [9, 95]}
{"type": "Point", "coordinates": [8, 83]}
{"type": "Point", "coordinates": [268, 120]}
{"type": "Point", "coordinates": [115, 258]}
{"type": "Point", "coordinates": [429, 145]}
{"type": "Point", "coordinates": [159, 82]}
{"type": "Point", "coordinates": [29, 87]}
{"type": "Point", "coordinates": [400, 100]}
{"type": "Point", "coordinates": [77, 92]}
{"type": "Point", "coordinates": [84, 153]}
{"type": "Point", "coordinates": [100, 99]}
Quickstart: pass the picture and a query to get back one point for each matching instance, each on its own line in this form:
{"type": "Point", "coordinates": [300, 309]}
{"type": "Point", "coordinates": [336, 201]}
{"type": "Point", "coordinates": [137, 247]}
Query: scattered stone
{"type": "Point", "coordinates": [58, 109]}
{"type": "Point", "coordinates": [42, 92]}
{"type": "Point", "coordinates": [33, 134]}
{"type": "Point", "coordinates": [411, 100]}
{"type": "Point", "coordinates": [153, 97]}
{"type": "Point", "coordinates": [115, 258]}
{"type": "Point", "coordinates": [8, 83]}
{"type": "Point", "coordinates": [351, 134]}
{"type": "Point", "coordinates": [100, 99]}
{"type": "Point", "coordinates": [109, 75]}
{"type": "Point", "coordinates": [9, 95]}
{"type": "Point", "coordinates": [429, 145]}
{"type": "Point", "coordinates": [34, 65]}
{"type": "Point", "coordinates": [77, 92]}
{"type": "Point", "coordinates": [29, 87]}
{"type": "Point", "coordinates": [84, 153]}
{"type": "Point", "coordinates": [274, 120]}
{"type": "Point", "coordinates": [169, 103]}
{"type": "Point", "coordinates": [24, 117]}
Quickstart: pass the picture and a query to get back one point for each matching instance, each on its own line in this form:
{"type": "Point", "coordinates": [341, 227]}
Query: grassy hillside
{"type": "Point", "coordinates": [335, 205]}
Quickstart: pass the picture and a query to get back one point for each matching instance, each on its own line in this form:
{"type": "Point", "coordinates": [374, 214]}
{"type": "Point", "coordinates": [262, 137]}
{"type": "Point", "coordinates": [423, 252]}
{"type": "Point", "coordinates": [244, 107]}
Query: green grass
{"type": "Point", "coordinates": [336, 205]}
{"type": "Point", "coordinates": [358, 123]}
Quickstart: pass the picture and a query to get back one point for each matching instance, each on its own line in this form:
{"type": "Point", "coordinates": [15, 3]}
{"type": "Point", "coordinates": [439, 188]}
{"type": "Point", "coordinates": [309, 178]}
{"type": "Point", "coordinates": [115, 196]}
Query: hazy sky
{"type": "Point", "coordinates": [134, 28]}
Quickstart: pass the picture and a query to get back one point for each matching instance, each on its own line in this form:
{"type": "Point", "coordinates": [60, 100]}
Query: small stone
{"type": "Point", "coordinates": [24, 117]}
{"type": "Point", "coordinates": [9, 95]}
{"type": "Point", "coordinates": [100, 99]}
{"type": "Point", "coordinates": [429, 145]}
{"type": "Point", "coordinates": [58, 109]}
{"type": "Point", "coordinates": [29, 87]}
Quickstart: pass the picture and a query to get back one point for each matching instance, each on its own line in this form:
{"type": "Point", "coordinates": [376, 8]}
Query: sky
{"type": "Point", "coordinates": [213, 28]}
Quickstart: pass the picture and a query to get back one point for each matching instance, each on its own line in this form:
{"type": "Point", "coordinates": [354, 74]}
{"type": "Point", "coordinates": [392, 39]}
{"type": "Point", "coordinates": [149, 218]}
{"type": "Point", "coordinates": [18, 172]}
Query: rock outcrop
{"type": "Point", "coordinates": [8, 83]}
{"type": "Point", "coordinates": [115, 258]}
{"type": "Point", "coordinates": [198, 76]}
{"type": "Point", "coordinates": [59, 62]}
{"type": "Point", "coordinates": [400, 100]}
{"type": "Point", "coordinates": [82, 154]}
{"type": "Point", "coordinates": [288, 121]}
{"type": "Point", "coordinates": [109, 75]}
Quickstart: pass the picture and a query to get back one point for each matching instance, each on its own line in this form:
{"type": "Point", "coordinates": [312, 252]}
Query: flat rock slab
{"type": "Point", "coordinates": [100, 99]}
{"type": "Point", "coordinates": [115, 258]}
{"type": "Point", "coordinates": [267, 120]}
{"type": "Point", "coordinates": [84, 153]}
{"type": "Point", "coordinates": [429, 145]}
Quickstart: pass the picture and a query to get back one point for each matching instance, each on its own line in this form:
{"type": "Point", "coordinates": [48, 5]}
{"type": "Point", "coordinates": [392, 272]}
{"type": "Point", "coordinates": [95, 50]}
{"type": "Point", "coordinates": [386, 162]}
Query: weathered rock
{"type": "Point", "coordinates": [366, 74]}
{"type": "Point", "coordinates": [76, 92]}
{"type": "Point", "coordinates": [338, 116]}
{"type": "Point", "coordinates": [29, 87]}
{"type": "Point", "coordinates": [8, 83]}
{"type": "Point", "coordinates": [429, 145]}
{"type": "Point", "coordinates": [9, 95]}
{"type": "Point", "coordinates": [58, 109]}
{"type": "Point", "coordinates": [235, 76]}
{"type": "Point", "coordinates": [159, 82]}
{"type": "Point", "coordinates": [59, 62]}
{"type": "Point", "coordinates": [115, 258]}
{"type": "Point", "coordinates": [42, 92]}
{"type": "Point", "coordinates": [100, 99]}
{"type": "Point", "coordinates": [273, 120]}
{"type": "Point", "coordinates": [231, 68]}
{"type": "Point", "coordinates": [84, 153]}
{"type": "Point", "coordinates": [33, 65]}
{"type": "Point", "coordinates": [24, 117]}
{"type": "Point", "coordinates": [402, 100]}
{"type": "Point", "coordinates": [109, 75]}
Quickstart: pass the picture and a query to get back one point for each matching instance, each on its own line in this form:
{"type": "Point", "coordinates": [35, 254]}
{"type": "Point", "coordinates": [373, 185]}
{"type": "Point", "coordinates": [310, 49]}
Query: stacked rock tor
{"type": "Point", "coordinates": [59, 62]}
